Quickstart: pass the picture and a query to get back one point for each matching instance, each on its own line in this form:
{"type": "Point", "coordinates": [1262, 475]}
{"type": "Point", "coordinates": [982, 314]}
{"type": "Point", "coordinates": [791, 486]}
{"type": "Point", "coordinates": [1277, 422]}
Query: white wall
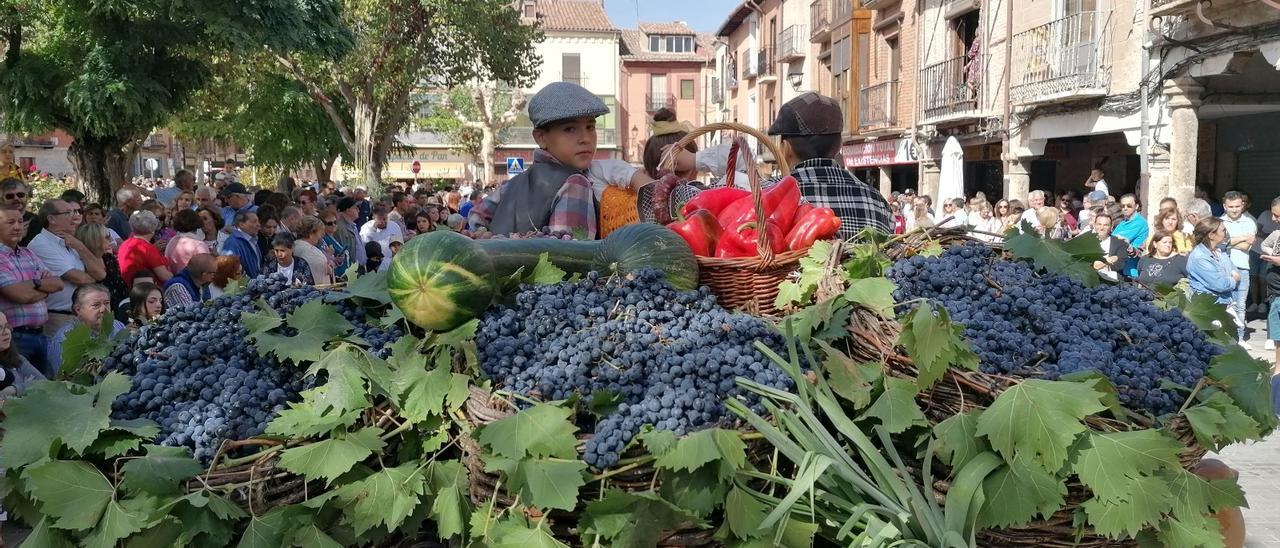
{"type": "Point", "coordinates": [599, 58]}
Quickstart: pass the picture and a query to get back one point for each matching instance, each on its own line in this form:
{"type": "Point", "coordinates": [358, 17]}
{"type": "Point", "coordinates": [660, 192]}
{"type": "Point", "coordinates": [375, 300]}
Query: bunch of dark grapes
{"type": "Point", "coordinates": [198, 376]}
{"type": "Point", "coordinates": [1026, 323]}
{"type": "Point", "coordinates": [669, 357]}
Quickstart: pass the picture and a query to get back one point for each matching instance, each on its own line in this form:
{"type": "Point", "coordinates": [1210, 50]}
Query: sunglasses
{"type": "Point", "coordinates": [330, 223]}
{"type": "Point", "coordinates": [15, 196]}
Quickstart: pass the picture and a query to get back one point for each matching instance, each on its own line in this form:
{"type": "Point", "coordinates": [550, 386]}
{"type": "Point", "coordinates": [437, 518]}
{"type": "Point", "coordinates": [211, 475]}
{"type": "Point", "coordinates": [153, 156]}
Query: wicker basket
{"type": "Point", "coordinates": [748, 283]}
{"type": "Point", "coordinates": [873, 338]}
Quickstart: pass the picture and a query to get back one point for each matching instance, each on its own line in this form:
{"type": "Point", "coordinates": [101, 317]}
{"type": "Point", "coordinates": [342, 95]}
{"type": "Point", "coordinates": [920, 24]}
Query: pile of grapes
{"type": "Point", "coordinates": [1031, 324]}
{"type": "Point", "coordinates": [670, 357]}
{"type": "Point", "coordinates": [196, 374]}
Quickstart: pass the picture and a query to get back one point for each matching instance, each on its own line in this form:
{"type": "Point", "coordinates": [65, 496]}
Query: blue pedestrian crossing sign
{"type": "Point", "coordinates": [515, 165]}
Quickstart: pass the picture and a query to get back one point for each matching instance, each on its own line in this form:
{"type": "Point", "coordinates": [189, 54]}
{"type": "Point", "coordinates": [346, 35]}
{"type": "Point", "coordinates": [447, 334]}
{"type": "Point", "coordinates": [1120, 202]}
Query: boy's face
{"type": "Point", "coordinates": [573, 142]}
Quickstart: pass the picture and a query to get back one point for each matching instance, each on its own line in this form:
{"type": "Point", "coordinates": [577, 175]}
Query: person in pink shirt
{"type": "Point", "coordinates": [187, 242]}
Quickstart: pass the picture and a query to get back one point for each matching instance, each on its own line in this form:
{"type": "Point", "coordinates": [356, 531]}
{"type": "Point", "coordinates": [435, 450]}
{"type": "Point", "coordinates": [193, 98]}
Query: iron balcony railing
{"type": "Point", "coordinates": [878, 105]}
{"type": "Point", "coordinates": [1161, 8]}
{"type": "Point", "coordinates": [767, 62]}
{"type": "Point", "coordinates": [1061, 58]}
{"type": "Point", "coordinates": [819, 20]}
{"type": "Point", "coordinates": [793, 43]}
{"type": "Point", "coordinates": [951, 87]}
{"type": "Point", "coordinates": [654, 102]}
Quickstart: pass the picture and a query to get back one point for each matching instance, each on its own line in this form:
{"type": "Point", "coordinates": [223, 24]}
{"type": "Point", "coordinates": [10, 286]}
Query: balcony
{"type": "Point", "coordinates": [34, 142]}
{"type": "Point", "coordinates": [654, 102]}
{"type": "Point", "coordinates": [523, 136]}
{"type": "Point", "coordinates": [820, 21]}
{"type": "Point", "coordinates": [154, 141]}
{"type": "Point", "coordinates": [950, 89]}
{"type": "Point", "coordinates": [878, 107]}
{"type": "Point", "coordinates": [1062, 60]}
{"type": "Point", "coordinates": [792, 44]}
{"type": "Point", "coordinates": [1164, 8]}
{"type": "Point", "coordinates": [841, 11]}
{"type": "Point", "coordinates": [767, 63]}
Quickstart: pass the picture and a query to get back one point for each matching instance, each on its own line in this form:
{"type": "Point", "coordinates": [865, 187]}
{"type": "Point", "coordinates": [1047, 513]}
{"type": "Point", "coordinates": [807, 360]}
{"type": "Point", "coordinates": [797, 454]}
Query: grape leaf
{"type": "Point", "coordinates": [1190, 532]}
{"type": "Point", "coordinates": [516, 533]}
{"type": "Point", "coordinates": [851, 381]}
{"type": "Point", "coordinates": [221, 507]}
{"type": "Point", "coordinates": [1103, 384]}
{"type": "Point", "coordinates": [385, 497]}
{"type": "Point", "coordinates": [699, 492]}
{"type": "Point", "coordinates": [873, 293]}
{"type": "Point", "coordinates": [450, 509]}
{"type": "Point", "coordinates": [959, 440]}
{"type": "Point", "coordinates": [50, 411]}
{"type": "Point", "coordinates": [201, 527]}
{"type": "Point", "coordinates": [116, 523]}
{"type": "Point", "coordinates": [788, 293]}
{"type": "Point", "coordinates": [115, 443]}
{"type": "Point", "coordinates": [372, 286]}
{"type": "Point", "coordinates": [714, 445]}
{"type": "Point", "coordinates": [630, 520]}
{"type": "Point", "coordinates": [316, 322]}
{"type": "Point", "coordinates": [545, 272]}
{"type": "Point", "coordinates": [1110, 459]}
{"type": "Point", "coordinates": [160, 471]}
{"type": "Point", "coordinates": [1039, 417]}
{"type": "Point", "coordinates": [1218, 422]}
{"type": "Point", "coordinates": [83, 344]}
{"type": "Point", "coordinates": [543, 430]}
{"type": "Point", "coordinates": [896, 407]}
{"type": "Point", "coordinates": [1196, 496]}
{"type": "Point", "coordinates": [1018, 492]}
{"type": "Point", "coordinates": [1073, 257]}
{"type": "Point", "coordinates": [332, 457]}
{"type": "Point", "coordinates": [657, 442]}
{"type": "Point", "coordinates": [45, 536]}
{"type": "Point", "coordinates": [421, 392]}
{"type": "Point", "coordinates": [934, 343]}
{"type": "Point", "coordinates": [744, 514]}
{"type": "Point", "coordinates": [73, 493]}
{"type": "Point", "coordinates": [549, 483]}
{"type": "Point", "coordinates": [311, 536]}
{"type": "Point", "coordinates": [1248, 381]}
{"type": "Point", "coordinates": [270, 529]}
{"type": "Point", "coordinates": [168, 532]}
{"type": "Point", "coordinates": [303, 419]}
{"type": "Point", "coordinates": [1146, 500]}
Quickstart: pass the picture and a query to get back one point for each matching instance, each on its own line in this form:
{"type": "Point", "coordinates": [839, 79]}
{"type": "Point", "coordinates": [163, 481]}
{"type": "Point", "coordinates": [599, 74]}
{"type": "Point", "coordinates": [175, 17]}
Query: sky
{"type": "Point", "coordinates": [701, 15]}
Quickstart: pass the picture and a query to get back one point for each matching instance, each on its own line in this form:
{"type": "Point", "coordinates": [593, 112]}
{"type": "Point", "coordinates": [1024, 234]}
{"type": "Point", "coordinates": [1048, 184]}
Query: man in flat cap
{"type": "Point", "coordinates": [561, 189]}
{"type": "Point", "coordinates": [810, 127]}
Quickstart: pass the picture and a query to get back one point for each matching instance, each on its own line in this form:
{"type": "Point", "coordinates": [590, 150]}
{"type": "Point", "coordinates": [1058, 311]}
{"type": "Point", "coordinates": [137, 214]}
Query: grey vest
{"type": "Point", "coordinates": [528, 198]}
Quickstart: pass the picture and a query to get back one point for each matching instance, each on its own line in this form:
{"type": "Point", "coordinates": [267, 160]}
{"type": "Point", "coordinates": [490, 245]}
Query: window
{"type": "Point", "coordinates": [529, 9]}
{"type": "Point", "coordinates": [895, 58]}
{"type": "Point", "coordinates": [571, 68]}
{"type": "Point", "coordinates": [686, 89]}
{"type": "Point", "coordinates": [655, 43]}
{"type": "Point", "coordinates": [670, 44]}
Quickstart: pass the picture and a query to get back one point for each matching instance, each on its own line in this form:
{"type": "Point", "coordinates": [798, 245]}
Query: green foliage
{"type": "Point", "coordinates": [934, 343]}
{"type": "Point", "coordinates": [316, 323]}
{"type": "Point", "coordinates": [1040, 418]}
{"type": "Point", "coordinates": [1073, 257]}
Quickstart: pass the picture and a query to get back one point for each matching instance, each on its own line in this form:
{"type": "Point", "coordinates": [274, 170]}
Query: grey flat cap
{"type": "Point", "coordinates": [564, 101]}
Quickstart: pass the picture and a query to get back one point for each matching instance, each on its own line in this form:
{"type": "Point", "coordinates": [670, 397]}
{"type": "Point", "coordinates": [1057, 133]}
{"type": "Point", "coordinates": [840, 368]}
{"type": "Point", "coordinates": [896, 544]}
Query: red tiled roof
{"type": "Point", "coordinates": [574, 15]}
{"type": "Point", "coordinates": [674, 28]}
{"type": "Point", "coordinates": [635, 47]}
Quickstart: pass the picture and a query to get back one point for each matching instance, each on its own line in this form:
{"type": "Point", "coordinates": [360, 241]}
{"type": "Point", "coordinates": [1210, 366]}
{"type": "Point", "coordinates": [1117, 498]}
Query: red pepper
{"type": "Point", "coordinates": [700, 230]}
{"type": "Point", "coordinates": [819, 224]}
{"type": "Point", "coordinates": [781, 201]}
{"type": "Point", "coordinates": [800, 212]}
{"type": "Point", "coordinates": [742, 242]}
{"type": "Point", "coordinates": [737, 214]}
{"type": "Point", "coordinates": [714, 200]}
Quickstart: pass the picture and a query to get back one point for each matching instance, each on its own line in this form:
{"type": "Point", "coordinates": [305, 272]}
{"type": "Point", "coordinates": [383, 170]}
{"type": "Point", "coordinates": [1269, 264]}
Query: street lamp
{"type": "Point", "coordinates": [796, 79]}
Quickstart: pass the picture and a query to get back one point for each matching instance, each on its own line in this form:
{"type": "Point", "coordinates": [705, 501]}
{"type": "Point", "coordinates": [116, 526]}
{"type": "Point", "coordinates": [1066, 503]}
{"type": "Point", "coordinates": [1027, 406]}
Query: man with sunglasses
{"type": "Point", "coordinates": [67, 257]}
{"type": "Point", "coordinates": [1133, 228]}
{"type": "Point", "coordinates": [14, 195]}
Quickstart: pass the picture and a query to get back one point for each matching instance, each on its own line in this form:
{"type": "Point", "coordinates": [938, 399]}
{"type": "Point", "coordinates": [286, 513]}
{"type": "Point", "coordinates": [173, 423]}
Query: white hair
{"type": "Point", "coordinates": [125, 194]}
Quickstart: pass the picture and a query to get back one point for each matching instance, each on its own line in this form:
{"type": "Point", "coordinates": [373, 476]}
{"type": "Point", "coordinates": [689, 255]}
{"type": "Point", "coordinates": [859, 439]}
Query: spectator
{"type": "Point", "coordinates": [474, 200]}
{"type": "Point", "coordinates": [899, 222]}
{"type": "Point", "coordinates": [1209, 269]}
{"type": "Point", "coordinates": [1051, 226]}
{"type": "Point", "coordinates": [284, 264]}
{"type": "Point", "coordinates": [237, 200]}
{"type": "Point", "coordinates": [146, 303]}
{"type": "Point", "coordinates": [95, 215]}
{"type": "Point", "coordinates": [211, 232]}
{"type": "Point", "coordinates": [361, 195]}
{"type": "Point", "coordinates": [1000, 211]}
{"type": "Point", "coordinates": [990, 228]}
{"type": "Point", "coordinates": [16, 195]}
{"type": "Point", "coordinates": [953, 214]}
{"type": "Point", "coordinates": [1197, 210]}
{"type": "Point", "coordinates": [1013, 219]}
{"type": "Point", "coordinates": [277, 201]}
{"type": "Point", "coordinates": [311, 233]}
{"type": "Point", "coordinates": [17, 371]}
{"type": "Point", "coordinates": [1169, 222]}
{"type": "Point", "coordinates": [128, 200]}
{"type": "Point", "coordinates": [95, 237]}
{"type": "Point", "coordinates": [1067, 207]}
{"type": "Point", "coordinates": [396, 244]}
{"type": "Point", "coordinates": [1091, 200]}
{"type": "Point", "coordinates": [920, 217]}
{"type": "Point", "coordinates": [1132, 228]}
{"type": "Point", "coordinates": [455, 221]}
{"type": "Point", "coordinates": [1162, 265]}
{"type": "Point", "coordinates": [402, 209]}
{"type": "Point", "coordinates": [268, 226]}
{"type": "Point", "coordinates": [185, 201]}
{"type": "Point", "coordinates": [290, 217]}
{"type": "Point", "coordinates": [138, 256]}
{"type": "Point", "coordinates": [206, 196]}
{"type": "Point", "coordinates": [422, 223]}
{"type": "Point", "coordinates": [72, 195]}
{"type": "Point", "coordinates": [307, 202]}
{"type": "Point", "coordinates": [381, 230]}
{"type": "Point", "coordinates": [226, 269]}
{"type": "Point", "coordinates": [90, 302]}
{"type": "Point", "coordinates": [66, 256]}
{"type": "Point", "coordinates": [339, 256]}
{"type": "Point", "coordinates": [187, 242]}
{"type": "Point", "coordinates": [191, 285]}
{"type": "Point", "coordinates": [1269, 254]}
{"type": "Point", "coordinates": [1036, 201]}
{"type": "Point", "coordinates": [164, 233]}
{"type": "Point", "coordinates": [1242, 231]}
{"type": "Point", "coordinates": [1097, 181]}
{"type": "Point", "coordinates": [347, 232]}
{"type": "Point", "coordinates": [25, 285]}
{"type": "Point", "coordinates": [183, 182]}
{"type": "Point", "coordinates": [243, 243]}
{"type": "Point", "coordinates": [373, 252]}
{"type": "Point", "coordinates": [437, 216]}
{"type": "Point", "coordinates": [1113, 249]}
{"type": "Point", "coordinates": [1268, 224]}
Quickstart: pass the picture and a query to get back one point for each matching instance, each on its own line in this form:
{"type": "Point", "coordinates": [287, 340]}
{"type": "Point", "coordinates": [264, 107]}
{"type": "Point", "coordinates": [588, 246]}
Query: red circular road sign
{"type": "Point", "coordinates": [417, 166]}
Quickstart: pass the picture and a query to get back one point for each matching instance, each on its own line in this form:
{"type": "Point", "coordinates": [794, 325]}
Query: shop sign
{"type": "Point", "coordinates": [879, 153]}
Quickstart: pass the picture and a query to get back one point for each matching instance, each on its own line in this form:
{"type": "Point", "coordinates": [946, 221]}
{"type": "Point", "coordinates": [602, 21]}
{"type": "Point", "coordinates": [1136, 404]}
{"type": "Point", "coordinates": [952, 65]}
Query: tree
{"type": "Point", "coordinates": [110, 71]}
{"type": "Point", "coordinates": [474, 117]}
{"type": "Point", "coordinates": [402, 46]}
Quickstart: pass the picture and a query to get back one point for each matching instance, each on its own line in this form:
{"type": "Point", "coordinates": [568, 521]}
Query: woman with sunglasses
{"type": "Point", "coordinates": [337, 253]}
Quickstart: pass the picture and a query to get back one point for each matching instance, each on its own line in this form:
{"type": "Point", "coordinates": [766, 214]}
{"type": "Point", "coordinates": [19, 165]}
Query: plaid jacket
{"type": "Point", "coordinates": [825, 183]}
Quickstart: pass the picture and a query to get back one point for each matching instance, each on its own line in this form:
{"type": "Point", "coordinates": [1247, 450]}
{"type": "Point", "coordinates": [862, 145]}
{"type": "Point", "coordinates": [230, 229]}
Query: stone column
{"type": "Point", "coordinates": [1157, 181]}
{"type": "Point", "coordinates": [886, 180]}
{"type": "Point", "coordinates": [1017, 178]}
{"type": "Point", "coordinates": [1184, 99]}
{"type": "Point", "coordinates": [930, 177]}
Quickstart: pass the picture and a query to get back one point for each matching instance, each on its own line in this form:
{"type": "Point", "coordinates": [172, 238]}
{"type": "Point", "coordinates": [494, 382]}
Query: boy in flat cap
{"type": "Point", "coordinates": [561, 189]}
{"type": "Point", "coordinates": [810, 127]}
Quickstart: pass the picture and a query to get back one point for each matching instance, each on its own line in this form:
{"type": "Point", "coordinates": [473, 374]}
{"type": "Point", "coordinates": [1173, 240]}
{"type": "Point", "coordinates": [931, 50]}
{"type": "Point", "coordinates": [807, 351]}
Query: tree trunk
{"type": "Point", "coordinates": [324, 169]}
{"type": "Point", "coordinates": [368, 143]}
{"type": "Point", "coordinates": [488, 142]}
{"type": "Point", "coordinates": [102, 164]}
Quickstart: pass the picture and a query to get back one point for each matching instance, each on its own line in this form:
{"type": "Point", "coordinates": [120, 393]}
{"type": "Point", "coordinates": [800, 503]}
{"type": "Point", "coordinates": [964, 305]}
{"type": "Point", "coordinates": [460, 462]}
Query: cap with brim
{"type": "Point", "coordinates": [346, 203]}
{"type": "Point", "coordinates": [1097, 196]}
{"type": "Point", "coordinates": [564, 101]}
{"type": "Point", "coordinates": [234, 188]}
{"type": "Point", "coordinates": [808, 115]}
